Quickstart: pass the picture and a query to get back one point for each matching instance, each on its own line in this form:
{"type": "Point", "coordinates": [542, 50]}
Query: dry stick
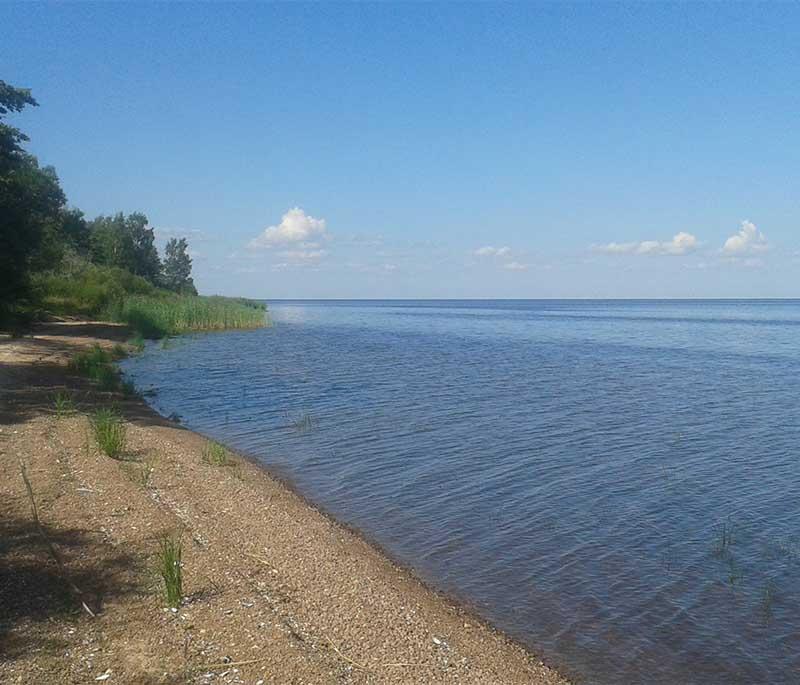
{"type": "Point", "coordinates": [223, 664]}
{"type": "Point", "coordinates": [53, 552]}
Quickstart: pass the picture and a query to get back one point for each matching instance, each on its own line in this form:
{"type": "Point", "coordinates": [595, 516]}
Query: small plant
{"type": "Point", "coordinates": [109, 432]}
{"type": "Point", "coordinates": [119, 351]}
{"type": "Point", "coordinates": [96, 364]}
{"type": "Point", "coordinates": [128, 388]}
{"type": "Point", "coordinates": [303, 423]}
{"type": "Point", "coordinates": [215, 454]}
{"type": "Point", "coordinates": [62, 403]}
{"type": "Point", "coordinates": [724, 538]}
{"type": "Point", "coordinates": [87, 362]}
{"type": "Point", "coordinates": [170, 568]}
{"type": "Point", "coordinates": [107, 378]}
{"type": "Point", "coordinates": [142, 473]}
{"type": "Point", "coordinates": [137, 343]}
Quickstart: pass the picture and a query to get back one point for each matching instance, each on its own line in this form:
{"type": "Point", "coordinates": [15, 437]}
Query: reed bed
{"type": "Point", "coordinates": [160, 316]}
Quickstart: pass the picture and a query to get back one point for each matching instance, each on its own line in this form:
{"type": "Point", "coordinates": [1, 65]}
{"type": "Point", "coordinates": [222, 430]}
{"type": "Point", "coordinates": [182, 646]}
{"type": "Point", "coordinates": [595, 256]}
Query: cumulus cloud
{"type": "Point", "coordinates": [296, 227]}
{"type": "Point", "coordinates": [515, 266]}
{"type": "Point", "coordinates": [489, 251]}
{"type": "Point", "coordinates": [748, 240]}
{"type": "Point", "coordinates": [681, 244]}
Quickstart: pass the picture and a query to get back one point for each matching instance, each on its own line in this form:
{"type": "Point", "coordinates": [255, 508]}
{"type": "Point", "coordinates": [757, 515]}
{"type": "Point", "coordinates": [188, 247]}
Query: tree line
{"type": "Point", "coordinates": [40, 233]}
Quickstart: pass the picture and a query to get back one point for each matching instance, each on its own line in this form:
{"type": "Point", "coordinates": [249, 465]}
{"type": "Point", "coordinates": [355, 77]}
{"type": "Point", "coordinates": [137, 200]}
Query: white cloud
{"type": "Point", "coordinates": [681, 244]}
{"type": "Point", "coordinates": [748, 240]}
{"type": "Point", "coordinates": [515, 266]}
{"type": "Point", "coordinates": [489, 251]}
{"type": "Point", "coordinates": [296, 227]}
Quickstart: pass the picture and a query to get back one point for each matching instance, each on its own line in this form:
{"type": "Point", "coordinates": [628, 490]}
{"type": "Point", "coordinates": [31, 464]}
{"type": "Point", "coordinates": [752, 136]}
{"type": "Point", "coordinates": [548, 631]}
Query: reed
{"type": "Point", "coordinates": [137, 343]}
{"type": "Point", "coordinates": [109, 432]}
{"type": "Point", "coordinates": [159, 316]}
{"type": "Point", "coordinates": [303, 423]}
{"type": "Point", "coordinates": [170, 568]}
{"type": "Point", "coordinates": [215, 454]}
{"type": "Point", "coordinates": [62, 403]}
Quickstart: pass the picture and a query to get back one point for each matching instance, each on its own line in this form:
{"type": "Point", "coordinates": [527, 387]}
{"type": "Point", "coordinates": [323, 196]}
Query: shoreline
{"type": "Point", "coordinates": [276, 588]}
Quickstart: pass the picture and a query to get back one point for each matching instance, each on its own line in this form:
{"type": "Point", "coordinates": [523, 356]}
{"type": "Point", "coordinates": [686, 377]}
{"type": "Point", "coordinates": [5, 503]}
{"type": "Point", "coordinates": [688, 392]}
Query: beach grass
{"type": "Point", "coordinates": [63, 404]}
{"type": "Point", "coordinates": [170, 568]}
{"type": "Point", "coordinates": [215, 454]}
{"type": "Point", "coordinates": [109, 432]}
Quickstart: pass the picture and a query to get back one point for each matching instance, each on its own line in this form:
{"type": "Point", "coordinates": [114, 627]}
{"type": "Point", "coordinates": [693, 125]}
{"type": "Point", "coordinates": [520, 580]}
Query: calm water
{"type": "Point", "coordinates": [617, 484]}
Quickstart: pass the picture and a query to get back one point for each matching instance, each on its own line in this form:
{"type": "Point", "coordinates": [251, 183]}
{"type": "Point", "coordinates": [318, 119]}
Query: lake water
{"type": "Point", "coordinates": [616, 484]}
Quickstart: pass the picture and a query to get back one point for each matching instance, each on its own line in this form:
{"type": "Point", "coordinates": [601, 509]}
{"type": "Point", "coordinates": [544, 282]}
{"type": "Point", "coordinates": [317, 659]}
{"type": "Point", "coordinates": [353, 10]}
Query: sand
{"type": "Point", "coordinates": [275, 591]}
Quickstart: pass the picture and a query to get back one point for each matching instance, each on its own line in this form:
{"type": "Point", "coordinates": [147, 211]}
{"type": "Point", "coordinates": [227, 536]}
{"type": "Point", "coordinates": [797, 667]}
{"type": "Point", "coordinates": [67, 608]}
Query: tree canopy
{"type": "Point", "coordinates": [38, 231]}
{"type": "Point", "coordinates": [178, 267]}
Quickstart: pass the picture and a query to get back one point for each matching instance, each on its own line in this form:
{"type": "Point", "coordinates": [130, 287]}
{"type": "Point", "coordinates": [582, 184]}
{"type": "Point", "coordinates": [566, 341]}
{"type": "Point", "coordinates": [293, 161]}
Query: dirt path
{"type": "Point", "coordinates": [275, 591]}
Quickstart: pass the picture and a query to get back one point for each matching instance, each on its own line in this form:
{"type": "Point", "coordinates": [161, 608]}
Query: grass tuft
{"type": "Point", "coordinates": [62, 403]}
{"type": "Point", "coordinates": [215, 454]}
{"type": "Point", "coordinates": [137, 343]}
{"type": "Point", "coordinates": [303, 423]}
{"type": "Point", "coordinates": [96, 364]}
{"type": "Point", "coordinates": [109, 432]}
{"type": "Point", "coordinates": [170, 568]}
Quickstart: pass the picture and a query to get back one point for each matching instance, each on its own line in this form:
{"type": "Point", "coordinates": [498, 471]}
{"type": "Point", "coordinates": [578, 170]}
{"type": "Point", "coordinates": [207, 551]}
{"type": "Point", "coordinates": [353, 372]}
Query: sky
{"type": "Point", "coordinates": [431, 151]}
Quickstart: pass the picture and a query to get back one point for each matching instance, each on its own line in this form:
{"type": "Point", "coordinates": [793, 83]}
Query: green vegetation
{"type": "Point", "coordinates": [137, 343]}
{"type": "Point", "coordinates": [303, 423]}
{"type": "Point", "coordinates": [62, 403]}
{"type": "Point", "coordinates": [169, 314]}
{"type": "Point", "coordinates": [170, 568]}
{"type": "Point", "coordinates": [215, 454]}
{"type": "Point", "coordinates": [53, 259]}
{"type": "Point", "coordinates": [96, 364]}
{"type": "Point", "coordinates": [109, 432]}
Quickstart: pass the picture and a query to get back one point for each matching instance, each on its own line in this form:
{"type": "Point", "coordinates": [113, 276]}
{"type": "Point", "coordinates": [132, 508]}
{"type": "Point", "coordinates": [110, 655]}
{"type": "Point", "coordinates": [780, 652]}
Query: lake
{"type": "Point", "coordinates": [614, 483]}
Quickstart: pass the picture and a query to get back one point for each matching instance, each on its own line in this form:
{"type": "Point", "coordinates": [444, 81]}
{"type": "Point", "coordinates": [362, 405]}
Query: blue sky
{"type": "Point", "coordinates": [485, 150]}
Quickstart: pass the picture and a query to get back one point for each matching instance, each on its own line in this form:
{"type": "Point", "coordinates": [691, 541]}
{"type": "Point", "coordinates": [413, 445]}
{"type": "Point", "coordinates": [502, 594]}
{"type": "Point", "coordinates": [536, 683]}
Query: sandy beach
{"type": "Point", "coordinates": [275, 591]}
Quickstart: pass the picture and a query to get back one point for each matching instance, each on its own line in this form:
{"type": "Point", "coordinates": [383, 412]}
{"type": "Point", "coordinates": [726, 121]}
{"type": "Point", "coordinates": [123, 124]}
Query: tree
{"type": "Point", "coordinates": [126, 242]}
{"type": "Point", "coordinates": [178, 267]}
{"type": "Point", "coordinates": [31, 206]}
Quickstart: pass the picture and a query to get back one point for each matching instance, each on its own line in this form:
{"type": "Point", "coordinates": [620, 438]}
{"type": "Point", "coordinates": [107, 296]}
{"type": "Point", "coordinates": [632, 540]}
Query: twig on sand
{"type": "Point", "coordinates": [50, 546]}
{"type": "Point", "coordinates": [225, 664]}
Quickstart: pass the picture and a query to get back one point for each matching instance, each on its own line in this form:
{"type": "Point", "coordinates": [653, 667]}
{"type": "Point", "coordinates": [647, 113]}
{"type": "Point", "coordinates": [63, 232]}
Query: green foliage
{"type": "Point", "coordinates": [109, 432]}
{"type": "Point", "coordinates": [51, 258]}
{"type": "Point", "coordinates": [215, 454]}
{"type": "Point", "coordinates": [127, 243]}
{"type": "Point", "coordinates": [31, 208]}
{"type": "Point", "coordinates": [137, 343]}
{"type": "Point", "coordinates": [165, 314]}
{"type": "Point", "coordinates": [87, 289]}
{"type": "Point", "coordinates": [177, 274]}
{"type": "Point", "coordinates": [12, 100]}
{"type": "Point", "coordinates": [62, 403]}
{"type": "Point", "coordinates": [96, 364]}
{"type": "Point", "coordinates": [170, 568]}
